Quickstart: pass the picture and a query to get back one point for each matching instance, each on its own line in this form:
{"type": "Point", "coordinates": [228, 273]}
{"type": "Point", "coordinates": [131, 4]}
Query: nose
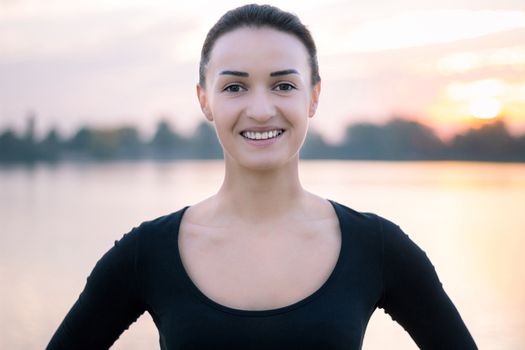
{"type": "Point", "coordinates": [261, 106]}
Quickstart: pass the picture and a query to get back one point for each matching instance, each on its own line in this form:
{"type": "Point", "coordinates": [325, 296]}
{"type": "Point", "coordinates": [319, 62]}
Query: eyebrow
{"type": "Point", "coordinates": [234, 72]}
{"type": "Point", "coordinates": [283, 72]}
{"type": "Point", "coordinates": [272, 74]}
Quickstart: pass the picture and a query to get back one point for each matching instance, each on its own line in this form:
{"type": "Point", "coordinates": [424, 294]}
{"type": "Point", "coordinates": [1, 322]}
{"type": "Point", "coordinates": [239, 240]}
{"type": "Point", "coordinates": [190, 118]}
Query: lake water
{"type": "Point", "coordinates": [57, 221]}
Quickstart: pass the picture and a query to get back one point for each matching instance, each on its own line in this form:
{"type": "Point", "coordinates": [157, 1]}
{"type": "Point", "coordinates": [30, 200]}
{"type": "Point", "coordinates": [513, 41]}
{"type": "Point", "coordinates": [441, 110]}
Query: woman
{"type": "Point", "coordinates": [263, 263]}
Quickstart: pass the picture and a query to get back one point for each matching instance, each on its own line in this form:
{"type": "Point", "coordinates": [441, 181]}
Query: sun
{"type": "Point", "coordinates": [487, 108]}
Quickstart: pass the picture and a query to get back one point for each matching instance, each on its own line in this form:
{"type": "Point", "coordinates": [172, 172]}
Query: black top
{"type": "Point", "coordinates": [378, 266]}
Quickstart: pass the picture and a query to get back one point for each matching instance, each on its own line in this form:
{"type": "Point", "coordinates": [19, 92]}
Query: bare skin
{"type": "Point", "coordinates": [262, 241]}
{"type": "Point", "coordinates": [261, 267]}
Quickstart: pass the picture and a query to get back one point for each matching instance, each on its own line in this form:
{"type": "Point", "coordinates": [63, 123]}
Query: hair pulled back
{"type": "Point", "coordinates": [257, 16]}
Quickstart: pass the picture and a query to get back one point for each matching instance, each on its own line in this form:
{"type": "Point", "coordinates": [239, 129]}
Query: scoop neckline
{"type": "Point", "coordinates": [243, 312]}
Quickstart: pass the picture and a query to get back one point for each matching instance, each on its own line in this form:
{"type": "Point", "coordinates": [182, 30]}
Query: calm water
{"type": "Point", "coordinates": [56, 222]}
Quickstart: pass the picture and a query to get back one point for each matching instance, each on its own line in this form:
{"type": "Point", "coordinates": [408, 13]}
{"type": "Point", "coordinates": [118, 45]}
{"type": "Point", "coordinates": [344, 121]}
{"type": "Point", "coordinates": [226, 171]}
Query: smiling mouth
{"type": "Point", "coordinates": [265, 135]}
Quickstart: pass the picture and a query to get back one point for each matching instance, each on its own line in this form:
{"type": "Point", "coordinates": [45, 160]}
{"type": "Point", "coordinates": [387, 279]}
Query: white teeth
{"type": "Point", "coordinates": [262, 135]}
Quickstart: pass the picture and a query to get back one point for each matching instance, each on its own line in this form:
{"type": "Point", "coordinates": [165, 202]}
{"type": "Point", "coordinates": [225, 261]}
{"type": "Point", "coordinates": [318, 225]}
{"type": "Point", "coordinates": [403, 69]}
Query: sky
{"type": "Point", "coordinates": [450, 65]}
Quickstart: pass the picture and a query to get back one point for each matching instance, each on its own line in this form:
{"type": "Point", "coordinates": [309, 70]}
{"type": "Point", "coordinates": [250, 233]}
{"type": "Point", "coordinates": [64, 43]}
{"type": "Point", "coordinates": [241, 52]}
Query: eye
{"type": "Point", "coordinates": [233, 88]}
{"type": "Point", "coordinates": [284, 87]}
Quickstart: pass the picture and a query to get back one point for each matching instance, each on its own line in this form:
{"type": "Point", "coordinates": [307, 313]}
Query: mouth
{"type": "Point", "coordinates": [265, 135]}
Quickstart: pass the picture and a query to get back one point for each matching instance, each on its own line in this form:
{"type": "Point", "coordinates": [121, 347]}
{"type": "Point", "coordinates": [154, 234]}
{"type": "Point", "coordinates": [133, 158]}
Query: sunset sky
{"type": "Point", "coordinates": [448, 64]}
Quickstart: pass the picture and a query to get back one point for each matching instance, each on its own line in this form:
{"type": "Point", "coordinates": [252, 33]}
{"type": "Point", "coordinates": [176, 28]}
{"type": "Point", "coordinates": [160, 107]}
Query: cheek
{"type": "Point", "coordinates": [224, 119]}
{"type": "Point", "coordinates": [226, 108]}
{"type": "Point", "coordinates": [296, 108]}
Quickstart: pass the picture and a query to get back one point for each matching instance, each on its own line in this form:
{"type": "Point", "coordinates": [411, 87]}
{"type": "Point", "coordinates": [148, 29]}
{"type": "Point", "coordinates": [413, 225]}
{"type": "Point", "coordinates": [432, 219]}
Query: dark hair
{"type": "Point", "coordinates": [254, 15]}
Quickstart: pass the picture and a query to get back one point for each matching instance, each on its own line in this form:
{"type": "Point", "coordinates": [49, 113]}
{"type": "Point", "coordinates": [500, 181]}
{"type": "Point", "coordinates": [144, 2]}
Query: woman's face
{"type": "Point", "coordinates": [258, 85]}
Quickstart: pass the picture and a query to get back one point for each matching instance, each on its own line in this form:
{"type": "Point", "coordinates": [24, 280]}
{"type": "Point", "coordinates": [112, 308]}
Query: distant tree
{"type": "Point", "coordinates": [27, 150]}
{"type": "Point", "coordinates": [105, 144]}
{"type": "Point", "coordinates": [82, 139]}
{"type": "Point", "coordinates": [29, 135]}
{"type": "Point", "coordinates": [10, 147]}
{"type": "Point", "coordinates": [118, 143]}
{"type": "Point", "coordinates": [50, 147]}
{"type": "Point", "coordinates": [520, 148]}
{"type": "Point", "coordinates": [405, 139]}
{"type": "Point", "coordinates": [19, 149]}
{"type": "Point", "coordinates": [489, 142]}
{"type": "Point", "coordinates": [166, 143]}
{"type": "Point", "coordinates": [363, 141]}
{"type": "Point", "coordinates": [397, 139]}
{"type": "Point", "coordinates": [314, 147]}
{"type": "Point", "coordinates": [205, 144]}
{"type": "Point", "coordinates": [130, 145]}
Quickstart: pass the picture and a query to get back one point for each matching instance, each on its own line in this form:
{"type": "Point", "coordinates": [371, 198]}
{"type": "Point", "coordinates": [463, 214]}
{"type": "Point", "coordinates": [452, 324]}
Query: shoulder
{"type": "Point", "coordinates": [377, 230]}
{"type": "Point", "coordinates": [153, 229]}
{"type": "Point", "coordinates": [401, 254]}
{"type": "Point", "coordinates": [365, 220]}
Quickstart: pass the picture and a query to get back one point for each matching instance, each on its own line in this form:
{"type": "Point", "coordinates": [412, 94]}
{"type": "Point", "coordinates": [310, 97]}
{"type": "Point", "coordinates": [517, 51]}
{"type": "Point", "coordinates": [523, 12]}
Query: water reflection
{"type": "Point", "coordinates": [57, 221]}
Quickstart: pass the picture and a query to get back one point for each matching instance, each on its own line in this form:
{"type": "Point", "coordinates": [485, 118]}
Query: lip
{"type": "Point", "coordinates": [265, 142]}
{"type": "Point", "coordinates": [262, 128]}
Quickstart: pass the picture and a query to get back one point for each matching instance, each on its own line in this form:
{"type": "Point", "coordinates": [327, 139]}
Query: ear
{"type": "Point", "coordinates": [203, 101]}
{"type": "Point", "coordinates": [314, 99]}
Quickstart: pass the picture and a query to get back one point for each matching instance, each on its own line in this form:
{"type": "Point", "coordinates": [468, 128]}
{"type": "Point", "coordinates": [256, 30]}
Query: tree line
{"type": "Point", "coordinates": [397, 139]}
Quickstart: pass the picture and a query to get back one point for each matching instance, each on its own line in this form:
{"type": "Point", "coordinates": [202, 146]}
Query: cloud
{"type": "Point", "coordinates": [487, 88]}
{"type": "Point", "coordinates": [510, 57]}
{"type": "Point", "coordinates": [422, 28]}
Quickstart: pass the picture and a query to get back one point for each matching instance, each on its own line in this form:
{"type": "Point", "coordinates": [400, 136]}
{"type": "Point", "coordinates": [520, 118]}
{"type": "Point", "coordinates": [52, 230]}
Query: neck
{"type": "Point", "coordinates": [260, 196]}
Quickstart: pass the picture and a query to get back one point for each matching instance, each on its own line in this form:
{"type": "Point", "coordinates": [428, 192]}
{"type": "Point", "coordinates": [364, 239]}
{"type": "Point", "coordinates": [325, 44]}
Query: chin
{"type": "Point", "coordinates": [266, 167]}
{"type": "Point", "coordinates": [262, 163]}
{"type": "Point", "coordinates": [273, 162]}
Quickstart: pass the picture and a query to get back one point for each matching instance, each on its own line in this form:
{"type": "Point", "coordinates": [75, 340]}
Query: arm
{"type": "Point", "coordinates": [108, 304]}
{"type": "Point", "coordinates": [414, 296]}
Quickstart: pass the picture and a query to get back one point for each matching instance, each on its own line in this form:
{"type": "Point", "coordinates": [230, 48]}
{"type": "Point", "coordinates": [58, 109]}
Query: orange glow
{"type": "Point", "coordinates": [465, 104]}
{"type": "Point", "coordinates": [488, 108]}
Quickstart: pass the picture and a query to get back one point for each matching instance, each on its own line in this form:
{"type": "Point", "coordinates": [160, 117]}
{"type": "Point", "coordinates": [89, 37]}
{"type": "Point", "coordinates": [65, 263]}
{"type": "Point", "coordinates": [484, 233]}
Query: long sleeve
{"type": "Point", "coordinates": [109, 303]}
{"type": "Point", "coordinates": [414, 296]}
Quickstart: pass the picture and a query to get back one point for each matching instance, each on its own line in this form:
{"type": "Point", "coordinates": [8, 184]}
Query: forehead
{"type": "Point", "coordinates": [265, 48]}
